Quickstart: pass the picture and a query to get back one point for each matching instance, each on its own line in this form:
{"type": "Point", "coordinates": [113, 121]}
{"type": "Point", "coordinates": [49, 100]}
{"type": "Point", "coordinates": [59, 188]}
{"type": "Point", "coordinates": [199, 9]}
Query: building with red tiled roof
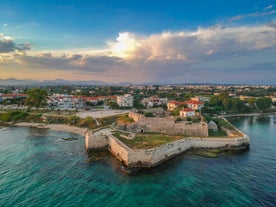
{"type": "Point", "coordinates": [14, 96]}
{"type": "Point", "coordinates": [186, 112]}
{"type": "Point", "coordinates": [195, 105]}
{"type": "Point", "coordinates": [171, 105]}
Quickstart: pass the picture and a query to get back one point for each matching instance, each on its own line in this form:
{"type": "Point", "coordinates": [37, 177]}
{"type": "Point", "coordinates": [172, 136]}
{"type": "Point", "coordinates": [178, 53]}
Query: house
{"type": "Point", "coordinates": [200, 98]}
{"type": "Point", "coordinates": [186, 112]}
{"type": "Point", "coordinates": [65, 102]}
{"type": "Point", "coordinates": [195, 105]}
{"type": "Point", "coordinates": [14, 96]}
{"type": "Point", "coordinates": [171, 105]}
{"type": "Point", "coordinates": [125, 100]}
{"type": "Point", "coordinates": [154, 101]}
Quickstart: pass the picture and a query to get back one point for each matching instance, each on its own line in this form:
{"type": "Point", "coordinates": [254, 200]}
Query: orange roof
{"type": "Point", "coordinates": [14, 95]}
{"type": "Point", "coordinates": [187, 110]}
{"type": "Point", "coordinates": [195, 102]}
{"type": "Point", "coordinates": [177, 102]}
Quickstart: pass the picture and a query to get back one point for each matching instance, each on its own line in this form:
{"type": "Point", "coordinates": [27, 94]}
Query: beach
{"type": "Point", "coordinates": [55, 127]}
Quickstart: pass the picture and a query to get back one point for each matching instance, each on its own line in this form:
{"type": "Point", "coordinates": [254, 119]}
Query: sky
{"type": "Point", "coordinates": [139, 41]}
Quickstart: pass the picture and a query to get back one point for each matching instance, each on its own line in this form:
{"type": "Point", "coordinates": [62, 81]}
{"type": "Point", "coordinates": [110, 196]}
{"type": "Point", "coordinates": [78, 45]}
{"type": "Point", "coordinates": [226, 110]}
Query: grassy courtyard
{"type": "Point", "coordinates": [146, 140]}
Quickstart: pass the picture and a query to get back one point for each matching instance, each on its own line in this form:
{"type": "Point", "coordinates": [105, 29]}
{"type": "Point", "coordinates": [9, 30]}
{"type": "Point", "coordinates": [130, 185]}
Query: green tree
{"type": "Point", "coordinates": [263, 103]}
{"type": "Point", "coordinates": [36, 98]}
{"type": "Point", "coordinates": [251, 102]}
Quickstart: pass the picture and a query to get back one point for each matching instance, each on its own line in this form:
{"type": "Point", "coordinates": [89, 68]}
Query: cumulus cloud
{"type": "Point", "coordinates": [7, 45]}
{"type": "Point", "coordinates": [191, 46]}
{"type": "Point", "coordinates": [183, 56]}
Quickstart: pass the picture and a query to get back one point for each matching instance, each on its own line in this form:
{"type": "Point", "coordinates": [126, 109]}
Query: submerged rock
{"type": "Point", "coordinates": [70, 138]}
{"type": "Point", "coordinates": [207, 153]}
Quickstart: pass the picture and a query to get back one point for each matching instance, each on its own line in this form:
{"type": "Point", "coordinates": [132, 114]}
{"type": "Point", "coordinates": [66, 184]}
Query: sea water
{"type": "Point", "coordinates": [39, 167]}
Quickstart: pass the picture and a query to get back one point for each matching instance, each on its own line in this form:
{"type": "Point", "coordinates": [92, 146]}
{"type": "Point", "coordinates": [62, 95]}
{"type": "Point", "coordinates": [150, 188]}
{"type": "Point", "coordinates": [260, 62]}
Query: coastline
{"type": "Point", "coordinates": [54, 127]}
{"type": "Point", "coordinates": [248, 114]}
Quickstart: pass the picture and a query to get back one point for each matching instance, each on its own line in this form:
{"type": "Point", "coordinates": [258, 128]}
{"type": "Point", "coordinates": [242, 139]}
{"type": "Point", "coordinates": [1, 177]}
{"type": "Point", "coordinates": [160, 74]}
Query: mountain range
{"type": "Point", "coordinates": [17, 82]}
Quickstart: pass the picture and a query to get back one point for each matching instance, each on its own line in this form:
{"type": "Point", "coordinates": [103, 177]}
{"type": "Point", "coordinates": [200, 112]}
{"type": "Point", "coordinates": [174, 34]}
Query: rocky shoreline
{"type": "Point", "coordinates": [54, 127]}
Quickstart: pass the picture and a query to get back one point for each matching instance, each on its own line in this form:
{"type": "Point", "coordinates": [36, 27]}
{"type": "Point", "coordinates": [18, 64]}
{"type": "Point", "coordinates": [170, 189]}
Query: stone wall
{"type": "Point", "coordinates": [135, 116]}
{"type": "Point", "coordinates": [167, 125]}
{"type": "Point", "coordinates": [154, 156]}
{"type": "Point", "coordinates": [103, 138]}
{"type": "Point", "coordinates": [95, 141]}
{"type": "Point", "coordinates": [119, 150]}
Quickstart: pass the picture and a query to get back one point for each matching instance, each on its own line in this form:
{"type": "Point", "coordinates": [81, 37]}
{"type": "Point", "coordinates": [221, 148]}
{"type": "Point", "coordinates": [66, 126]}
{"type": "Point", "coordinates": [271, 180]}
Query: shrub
{"type": "Point", "coordinates": [149, 114]}
{"type": "Point", "coordinates": [13, 116]}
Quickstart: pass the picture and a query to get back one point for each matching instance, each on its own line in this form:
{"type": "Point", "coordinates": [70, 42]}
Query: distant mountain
{"type": "Point", "coordinates": [67, 82]}
{"type": "Point", "coordinates": [17, 82]}
{"type": "Point", "coordinates": [13, 81]}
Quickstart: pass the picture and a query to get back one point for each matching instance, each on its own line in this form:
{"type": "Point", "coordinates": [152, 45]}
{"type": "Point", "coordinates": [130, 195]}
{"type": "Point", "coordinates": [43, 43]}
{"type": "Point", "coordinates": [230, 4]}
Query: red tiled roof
{"type": "Point", "coordinates": [14, 95]}
{"type": "Point", "coordinates": [177, 102]}
{"type": "Point", "coordinates": [187, 110]}
{"type": "Point", "coordinates": [195, 102]}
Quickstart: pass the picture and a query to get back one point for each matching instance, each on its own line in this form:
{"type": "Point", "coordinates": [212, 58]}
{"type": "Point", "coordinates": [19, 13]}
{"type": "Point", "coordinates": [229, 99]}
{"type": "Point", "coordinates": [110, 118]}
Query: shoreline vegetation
{"type": "Point", "coordinates": [74, 124]}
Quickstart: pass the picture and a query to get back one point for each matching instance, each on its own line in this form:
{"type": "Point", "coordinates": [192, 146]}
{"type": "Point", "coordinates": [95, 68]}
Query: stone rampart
{"type": "Point", "coordinates": [135, 116]}
{"type": "Point", "coordinates": [95, 141]}
{"type": "Point", "coordinates": [151, 157]}
{"type": "Point", "coordinates": [168, 126]}
{"type": "Point", "coordinates": [157, 155]}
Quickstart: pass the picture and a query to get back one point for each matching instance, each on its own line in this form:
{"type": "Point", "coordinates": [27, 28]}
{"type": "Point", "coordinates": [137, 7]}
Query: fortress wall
{"type": "Point", "coordinates": [219, 142]}
{"type": "Point", "coordinates": [140, 158]}
{"type": "Point", "coordinates": [169, 150]}
{"type": "Point", "coordinates": [119, 150]}
{"type": "Point", "coordinates": [94, 142]}
{"type": "Point", "coordinates": [168, 126]}
{"type": "Point", "coordinates": [152, 157]}
{"type": "Point", "coordinates": [135, 116]}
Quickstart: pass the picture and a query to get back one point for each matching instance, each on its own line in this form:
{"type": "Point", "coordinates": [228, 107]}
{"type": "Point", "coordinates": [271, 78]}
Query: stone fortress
{"type": "Point", "coordinates": [196, 136]}
{"type": "Point", "coordinates": [166, 125]}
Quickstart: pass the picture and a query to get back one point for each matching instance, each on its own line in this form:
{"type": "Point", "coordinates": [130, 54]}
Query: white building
{"type": "Point", "coordinates": [195, 105]}
{"type": "Point", "coordinates": [125, 100]}
{"type": "Point", "coordinates": [154, 101]}
{"type": "Point", "coordinates": [171, 105]}
{"type": "Point", "coordinates": [200, 98]}
{"type": "Point", "coordinates": [186, 112]}
{"type": "Point", "coordinates": [65, 102]}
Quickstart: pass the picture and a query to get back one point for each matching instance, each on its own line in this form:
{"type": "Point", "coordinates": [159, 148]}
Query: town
{"type": "Point", "coordinates": [184, 100]}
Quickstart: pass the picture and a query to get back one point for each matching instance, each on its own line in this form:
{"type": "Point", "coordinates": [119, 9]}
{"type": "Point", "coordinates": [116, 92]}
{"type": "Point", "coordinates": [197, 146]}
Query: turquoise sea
{"type": "Point", "coordinates": [39, 168]}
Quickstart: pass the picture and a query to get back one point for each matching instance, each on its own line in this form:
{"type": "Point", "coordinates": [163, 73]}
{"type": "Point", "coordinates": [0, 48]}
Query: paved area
{"type": "Point", "coordinates": [101, 113]}
{"type": "Point", "coordinates": [104, 131]}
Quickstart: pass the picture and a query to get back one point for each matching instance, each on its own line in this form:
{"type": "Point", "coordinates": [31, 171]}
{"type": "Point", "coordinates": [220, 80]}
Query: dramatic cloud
{"type": "Point", "coordinates": [7, 45]}
{"type": "Point", "coordinates": [191, 46]}
{"type": "Point", "coordinates": [201, 55]}
{"type": "Point", "coordinates": [70, 62]}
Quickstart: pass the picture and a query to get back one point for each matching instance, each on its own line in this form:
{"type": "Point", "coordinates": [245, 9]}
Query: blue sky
{"type": "Point", "coordinates": [216, 41]}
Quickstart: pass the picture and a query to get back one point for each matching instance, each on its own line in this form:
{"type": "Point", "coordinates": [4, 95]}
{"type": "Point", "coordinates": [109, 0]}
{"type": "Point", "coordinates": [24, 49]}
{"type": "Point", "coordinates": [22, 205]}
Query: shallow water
{"type": "Point", "coordinates": [39, 168]}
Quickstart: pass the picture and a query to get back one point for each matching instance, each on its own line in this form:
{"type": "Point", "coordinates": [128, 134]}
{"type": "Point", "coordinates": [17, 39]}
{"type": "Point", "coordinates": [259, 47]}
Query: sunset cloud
{"type": "Point", "coordinates": [175, 56]}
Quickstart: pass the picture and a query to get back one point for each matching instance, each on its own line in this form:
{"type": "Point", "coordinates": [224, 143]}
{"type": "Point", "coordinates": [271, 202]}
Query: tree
{"type": "Point", "coordinates": [263, 103]}
{"type": "Point", "coordinates": [36, 98]}
{"type": "Point", "coordinates": [251, 102]}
